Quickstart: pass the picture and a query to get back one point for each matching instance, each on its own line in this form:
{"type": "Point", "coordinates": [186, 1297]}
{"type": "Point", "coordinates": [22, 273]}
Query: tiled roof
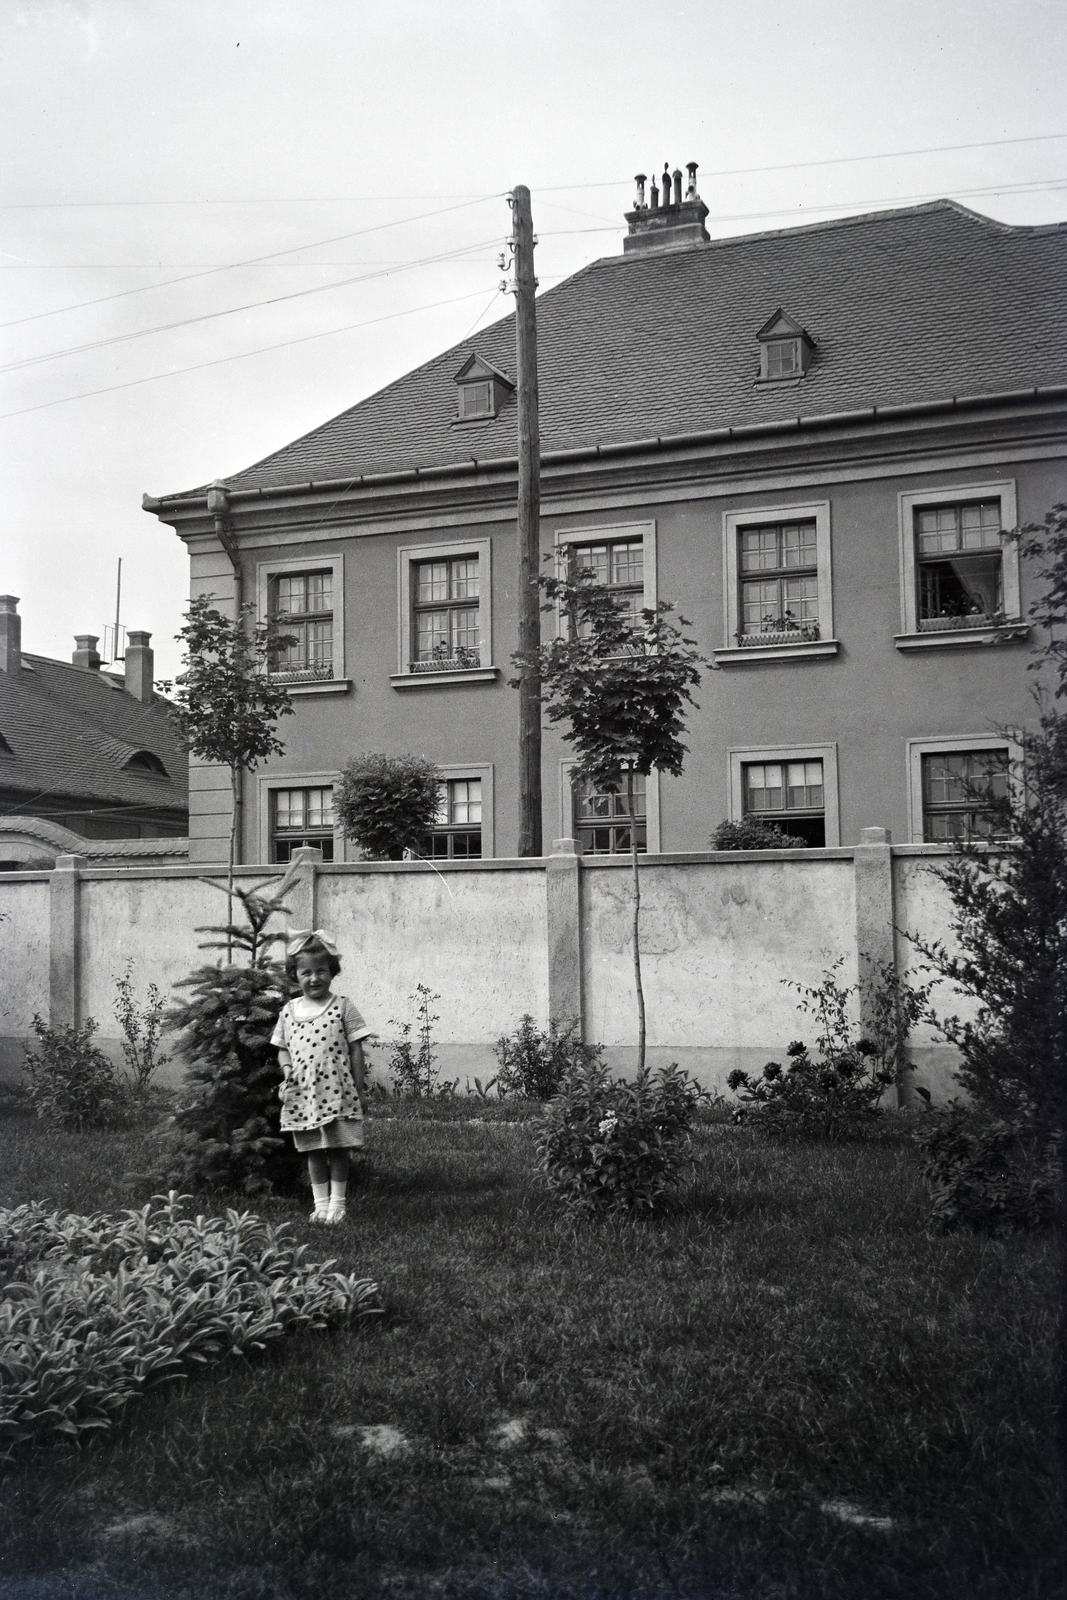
{"type": "Point", "coordinates": [904, 306]}
{"type": "Point", "coordinates": [70, 733]}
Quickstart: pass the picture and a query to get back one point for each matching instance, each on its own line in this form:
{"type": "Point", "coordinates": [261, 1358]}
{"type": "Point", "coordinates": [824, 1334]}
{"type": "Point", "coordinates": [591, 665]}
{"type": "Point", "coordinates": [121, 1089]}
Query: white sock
{"type": "Point", "coordinates": [321, 1192]}
{"type": "Point", "coordinates": [338, 1192]}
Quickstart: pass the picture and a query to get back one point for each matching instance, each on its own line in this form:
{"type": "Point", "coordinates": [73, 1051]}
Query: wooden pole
{"type": "Point", "coordinates": [529, 527]}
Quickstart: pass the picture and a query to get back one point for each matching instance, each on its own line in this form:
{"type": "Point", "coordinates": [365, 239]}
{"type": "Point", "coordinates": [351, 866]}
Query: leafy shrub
{"type": "Point", "coordinates": [987, 1172]}
{"type": "Point", "coordinates": [413, 1062]}
{"type": "Point", "coordinates": [96, 1310]}
{"type": "Point", "coordinates": [534, 1064]}
{"type": "Point", "coordinates": [839, 1090]}
{"type": "Point", "coordinates": [72, 1084]}
{"type": "Point", "coordinates": [140, 1030]}
{"type": "Point", "coordinates": [748, 834]}
{"type": "Point", "coordinates": [228, 1134]}
{"type": "Point", "coordinates": [616, 1144]}
{"type": "Point", "coordinates": [387, 804]}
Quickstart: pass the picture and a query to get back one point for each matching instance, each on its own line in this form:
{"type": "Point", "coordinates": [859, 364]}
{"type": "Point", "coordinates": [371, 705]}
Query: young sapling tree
{"type": "Point", "coordinates": [225, 703]}
{"type": "Point", "coordinates": [619, 686]}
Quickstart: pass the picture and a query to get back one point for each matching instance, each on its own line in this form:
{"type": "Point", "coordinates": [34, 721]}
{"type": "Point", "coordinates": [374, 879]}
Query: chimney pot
{"type": "Point", "coordinates": [691, 168]}
{"type": "Point", "coordinates": [140, 667]}
{"type": "Point", "coordinates": [86, 655]}
{"type": "Point", "coordinates": [677, 186]}
{"type": "Point", "coordinates": [653, 195]}
{"type": "Point", "coordinates": [640, 201]}
{"type": "Point", "coordinates": [666, 184]}
{"type": "Point", "coordinates": [10, 634]}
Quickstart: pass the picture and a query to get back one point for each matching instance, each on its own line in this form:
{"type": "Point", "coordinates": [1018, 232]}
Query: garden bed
{"type": "Point", "coordinates": [787, 1387]}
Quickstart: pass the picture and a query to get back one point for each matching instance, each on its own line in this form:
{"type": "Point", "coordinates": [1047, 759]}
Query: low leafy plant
{"type": "Point", "coordinates": [839, 1089]}
{"type": "Point", "coordinates": [413, 1060]}
{"type": "Point", "coordinates": [141, 1029]}
{"type": "Point", "coordinates": [987, 1172]}
{"type": "Point", "coordinates": [71, 1082]}
{"type": "Point", "coordinates": [534, 1063]}
{"type": "Point", "coordinates": [748, 834]}
{"type": "Point", "coordinates": [97, 1310]}
{"type": "Point", "coordinates": [617, 1144]}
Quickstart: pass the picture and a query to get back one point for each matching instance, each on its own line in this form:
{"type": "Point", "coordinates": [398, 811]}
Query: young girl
{"type": "Point", "coordinates": [320, 1050]}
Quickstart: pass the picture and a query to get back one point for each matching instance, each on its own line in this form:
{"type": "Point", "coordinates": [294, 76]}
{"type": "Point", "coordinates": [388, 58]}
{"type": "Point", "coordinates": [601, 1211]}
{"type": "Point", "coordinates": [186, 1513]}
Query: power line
{"type": "Point", "coordinates": [240, 355]}
{"type": "Point", "coordinates": [295, 249]}
{"type": "Point", "coordinates": [253, 305]}
{"type": "Point", "coordinates": [611, 183]}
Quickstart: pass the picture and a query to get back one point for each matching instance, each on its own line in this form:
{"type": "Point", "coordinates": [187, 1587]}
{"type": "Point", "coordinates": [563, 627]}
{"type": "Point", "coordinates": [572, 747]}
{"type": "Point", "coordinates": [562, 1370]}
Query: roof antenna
{"type": "Point", "coordinates": [115, 652]}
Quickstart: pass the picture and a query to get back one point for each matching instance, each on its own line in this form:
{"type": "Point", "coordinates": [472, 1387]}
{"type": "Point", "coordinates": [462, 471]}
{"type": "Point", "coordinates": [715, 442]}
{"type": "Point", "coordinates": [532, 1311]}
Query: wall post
{"type": "Point", "coordinates": [302, 894]}
{"type": "Point", "coordinates": [875, 926]}
{"type": "Point", "coordinates": [64, 952]}
{"type": "Point", "coordinates": [564, 932]}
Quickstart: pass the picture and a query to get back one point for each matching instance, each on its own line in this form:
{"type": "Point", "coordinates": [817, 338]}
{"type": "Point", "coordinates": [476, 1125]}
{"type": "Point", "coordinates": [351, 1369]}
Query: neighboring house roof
{"type": "Point", "coordinates": [904, 307]}
{"type": "Point", "coordinates": [72, 731]}
{"type": "Point", "coordinates": [38, 838]}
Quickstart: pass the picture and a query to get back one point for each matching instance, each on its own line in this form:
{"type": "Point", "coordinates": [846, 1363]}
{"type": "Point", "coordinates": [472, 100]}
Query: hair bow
{"type": "Point", "coordinates": [300, 938]}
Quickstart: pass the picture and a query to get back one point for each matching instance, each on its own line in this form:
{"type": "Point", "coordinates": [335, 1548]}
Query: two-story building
{"type": "Point", "coordinates": [812, 441]}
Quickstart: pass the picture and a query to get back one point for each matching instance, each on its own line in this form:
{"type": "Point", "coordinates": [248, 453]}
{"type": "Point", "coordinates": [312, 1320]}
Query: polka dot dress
{"type": "Point", "coordinates": [320, 1087]}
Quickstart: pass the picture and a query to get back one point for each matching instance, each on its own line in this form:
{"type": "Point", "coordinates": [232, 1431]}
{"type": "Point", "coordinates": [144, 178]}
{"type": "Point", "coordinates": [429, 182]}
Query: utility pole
{"type": "Point", "coordinates": [529, 525]}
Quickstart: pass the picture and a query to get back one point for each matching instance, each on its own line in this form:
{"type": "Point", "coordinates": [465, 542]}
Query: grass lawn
{"type": "Point", "coordinates": [788, 1389]}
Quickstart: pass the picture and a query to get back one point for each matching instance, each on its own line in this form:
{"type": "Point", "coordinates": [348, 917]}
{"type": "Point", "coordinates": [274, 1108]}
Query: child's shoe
{"type": "Point", "coordinates": [335, 1215]}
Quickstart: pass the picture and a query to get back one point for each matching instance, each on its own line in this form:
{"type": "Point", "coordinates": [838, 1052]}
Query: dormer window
{"type": "Point", "coordinates": [482, 390]}
{"type": "Point", "coordinates": [785, 350]}
{"type": "Point", "coordinates": [146, 761]}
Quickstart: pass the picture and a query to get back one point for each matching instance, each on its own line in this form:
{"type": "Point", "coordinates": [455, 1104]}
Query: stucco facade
{"type": "Point", "coordinates": [880, 680]}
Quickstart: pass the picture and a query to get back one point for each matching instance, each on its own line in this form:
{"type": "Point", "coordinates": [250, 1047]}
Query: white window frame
{"type": "Point", "coordinates": [954, 745]}
{"type": "Point", "coordinates": [743, 756]}
{"type": "Point", "coordinates": [653, 845]}
{"type": "Point", "coordinates": [908, 502]}
{"type": "Point", "coordinates": [333, 561]}
{"type": "Point", "coordinates": [565, 538]}
{"type": "Point", "coordinates": [293, 780]}
{"type": "Point", "coordinates": [484, 772]}
{"type": "Point", "coordinates": [407, 558]}
{"type": "Point", "coordinates": [733, 654]}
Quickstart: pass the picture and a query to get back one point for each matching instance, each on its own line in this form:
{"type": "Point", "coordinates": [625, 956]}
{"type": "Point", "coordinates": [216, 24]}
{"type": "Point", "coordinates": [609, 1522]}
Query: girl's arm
{"type": "Point", "coordinates": [359, 1070]}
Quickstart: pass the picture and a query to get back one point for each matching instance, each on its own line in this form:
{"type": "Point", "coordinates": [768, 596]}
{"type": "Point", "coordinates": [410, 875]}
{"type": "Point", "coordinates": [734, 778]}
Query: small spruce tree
{"type": "Point", "coordinates": [226, 1134]}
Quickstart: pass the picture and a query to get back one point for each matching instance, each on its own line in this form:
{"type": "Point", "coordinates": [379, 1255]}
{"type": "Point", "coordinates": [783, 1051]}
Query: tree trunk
{"type": "Point", "coordinates": [637, 919]}
{"type": "Point", "coordinates": [235, 813]}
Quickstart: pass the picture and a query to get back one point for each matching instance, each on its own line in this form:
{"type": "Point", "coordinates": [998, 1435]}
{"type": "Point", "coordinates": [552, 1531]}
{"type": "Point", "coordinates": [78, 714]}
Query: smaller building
{"type": "Point", "coordinates": [90, 762]}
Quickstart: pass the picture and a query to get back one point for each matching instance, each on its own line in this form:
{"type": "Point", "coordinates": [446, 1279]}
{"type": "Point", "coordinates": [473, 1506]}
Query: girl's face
{"type": "Point", "coordinates": [313, 976]}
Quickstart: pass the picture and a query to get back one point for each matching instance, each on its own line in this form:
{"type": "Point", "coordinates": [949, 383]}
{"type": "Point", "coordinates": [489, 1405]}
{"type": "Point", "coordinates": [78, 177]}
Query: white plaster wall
{"type": "Point", "coordinates": [149, 921]}
{"type": "Point", "coordinates": [476, 938]}
{"type": "Point", "coordinates": [24, 958]}
{"type": "Point", "coordinates": [923, 908]}
{"type": "Point", "coordinates": [718, 939]}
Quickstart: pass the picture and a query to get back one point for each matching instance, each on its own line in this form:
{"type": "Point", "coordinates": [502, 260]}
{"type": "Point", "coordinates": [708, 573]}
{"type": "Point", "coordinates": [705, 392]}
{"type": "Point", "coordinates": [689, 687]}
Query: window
{"type": "Point", "coordinates": [792, 788]}
{"type": "Point", "coordinates": [957, 786]}
{"type": "Point", "coordinates": [142, 761]}
{"type": "Point", "coordinates": [963, 794]}
{"type": "Point", "coordinates": [475, 400]}
{"type": "Point", "coordinates": [788, 794]}
{"type": "Point", "coordinates": [303, 601]}
{"type": "Point", "coordinates": [602, 820]}
{"type": "Point", "coordinates": [779, 567]}
{"type": "Point", "coordinates": [959, 576]}
{"type": "Point", "coordinates": [301, 817]}
{"type": "Point", "coordinates": [777, 584]}
{"type": "Point", "coordinates": [785, 349]}
{"type": "Point", "coordinates": [622, 557]}
{"type": "Point", "coordinates": [445, 615]}
{"type": "Point", "coordinates": [302, 609]}
{"type": "Point", "coordinates": [444, 629]}
{"type": "Point", "coordinates": [457, 834]}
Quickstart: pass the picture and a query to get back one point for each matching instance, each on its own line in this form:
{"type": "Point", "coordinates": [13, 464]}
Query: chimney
{"type": "Point", "coordinates": [10, 634]}
{"type": "Point", "coordinates": [86, 655]}
{"type": "Point", "coordinates": [670, 222]}
{"type": "Point", "coordinates": [140, 663]}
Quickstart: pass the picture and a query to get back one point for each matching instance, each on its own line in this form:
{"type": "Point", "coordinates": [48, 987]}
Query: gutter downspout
{"type": "Point", "coordinates": [218, 504]}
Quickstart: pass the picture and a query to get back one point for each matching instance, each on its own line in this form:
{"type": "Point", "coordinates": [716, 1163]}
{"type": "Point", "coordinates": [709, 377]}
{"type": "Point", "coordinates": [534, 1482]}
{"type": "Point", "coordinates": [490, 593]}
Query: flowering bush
{"type": "Point", "coordinates": [838, 1090]}
{"type": "Point", "coordinates": [534, 1064]}
{"type": "Point", "coordinates": [616, 1144]}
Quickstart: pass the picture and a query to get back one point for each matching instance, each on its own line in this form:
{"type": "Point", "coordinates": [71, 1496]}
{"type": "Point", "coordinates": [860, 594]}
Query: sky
{"type": "Point", "coordinates": [225, 221]}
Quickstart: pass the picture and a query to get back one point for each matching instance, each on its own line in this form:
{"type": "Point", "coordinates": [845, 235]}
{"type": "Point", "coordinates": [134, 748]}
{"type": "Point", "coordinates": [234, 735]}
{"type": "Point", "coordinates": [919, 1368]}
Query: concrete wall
{"type": "Point", "coordinates": [722, 937]}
